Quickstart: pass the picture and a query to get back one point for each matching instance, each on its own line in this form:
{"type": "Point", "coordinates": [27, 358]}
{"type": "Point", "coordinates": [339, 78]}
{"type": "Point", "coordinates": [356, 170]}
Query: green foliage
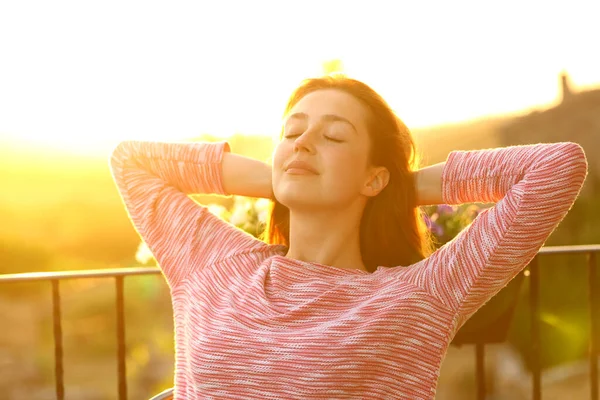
{"type": "Point", "coordinates": [445, 222]}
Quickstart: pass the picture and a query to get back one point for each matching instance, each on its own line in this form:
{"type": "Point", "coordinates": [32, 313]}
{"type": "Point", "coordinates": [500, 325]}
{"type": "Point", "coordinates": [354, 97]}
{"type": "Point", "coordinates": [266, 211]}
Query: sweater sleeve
{"type": "Point", "coordinates": [533, 186]}
{"type": "Point", "coordinates": [154, 180]}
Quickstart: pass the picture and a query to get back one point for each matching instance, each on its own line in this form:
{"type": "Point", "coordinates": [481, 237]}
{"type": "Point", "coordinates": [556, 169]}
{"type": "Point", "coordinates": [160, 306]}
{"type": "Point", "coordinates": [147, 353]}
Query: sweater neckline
{"type": "Point", "coordinates": [309, 267]}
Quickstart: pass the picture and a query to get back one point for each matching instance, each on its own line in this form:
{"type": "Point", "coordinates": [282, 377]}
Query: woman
{"type": "Point", "coordinates": [344, 301]}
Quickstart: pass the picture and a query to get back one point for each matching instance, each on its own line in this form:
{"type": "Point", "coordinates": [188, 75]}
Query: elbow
{"type": "Point", "coordinates": [573, 165]}
{"type": "Point", "coordinates": [120, 154]}
{"type": "Point", "coordinates": [577, 161]}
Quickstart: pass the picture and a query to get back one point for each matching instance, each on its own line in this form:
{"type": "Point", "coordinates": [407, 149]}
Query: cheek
{"type": "Point", "coordinates": [347, 167]}
{"type": "Point", "coordinates": [281, 154]}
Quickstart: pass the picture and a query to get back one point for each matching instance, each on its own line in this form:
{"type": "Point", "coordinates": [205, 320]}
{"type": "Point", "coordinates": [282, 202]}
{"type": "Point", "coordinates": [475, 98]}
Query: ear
{"type": "Point", "coordinates": [378, 180]}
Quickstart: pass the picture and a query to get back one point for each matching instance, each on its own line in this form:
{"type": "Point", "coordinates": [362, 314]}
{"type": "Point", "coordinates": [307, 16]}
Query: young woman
{"type": "Point", "coordinates": [344, 299]}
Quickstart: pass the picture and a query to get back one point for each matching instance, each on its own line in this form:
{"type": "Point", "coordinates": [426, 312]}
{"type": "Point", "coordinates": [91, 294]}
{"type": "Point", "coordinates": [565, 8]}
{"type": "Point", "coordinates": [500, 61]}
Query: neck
{"type": "Point", "coordinates": [327, 237]}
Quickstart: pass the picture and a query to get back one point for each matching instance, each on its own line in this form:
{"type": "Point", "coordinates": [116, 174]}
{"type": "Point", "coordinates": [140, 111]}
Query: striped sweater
{"type": "Point", "coordinates": [253, 324]}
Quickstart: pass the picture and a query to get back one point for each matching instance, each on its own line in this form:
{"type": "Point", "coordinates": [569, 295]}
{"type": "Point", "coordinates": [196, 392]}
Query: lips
{"type": "Point", "coordinates": [298, 166]}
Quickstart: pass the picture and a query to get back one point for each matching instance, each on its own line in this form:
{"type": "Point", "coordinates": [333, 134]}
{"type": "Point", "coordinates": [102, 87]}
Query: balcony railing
{"type": "Point", "coordinates": [533, 272]}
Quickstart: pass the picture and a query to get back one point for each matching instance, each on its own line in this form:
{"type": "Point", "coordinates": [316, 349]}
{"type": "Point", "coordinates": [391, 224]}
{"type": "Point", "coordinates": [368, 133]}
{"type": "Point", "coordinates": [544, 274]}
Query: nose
{"type": "Point", "coordinates": [305, 142]}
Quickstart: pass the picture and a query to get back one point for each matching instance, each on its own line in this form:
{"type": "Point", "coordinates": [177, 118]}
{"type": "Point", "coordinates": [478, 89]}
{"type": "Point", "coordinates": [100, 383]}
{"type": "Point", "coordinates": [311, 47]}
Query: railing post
{"type": "Point", "coordinates": [594, 324]}
{"type": "Point", "coordinates": [480, 370]}
{"type": "Point", "coordinates": [122, 379]}
{"type": "Point", "coordinates": [58, 342]}
{"type": "Point", "coordinates": [534, 299]}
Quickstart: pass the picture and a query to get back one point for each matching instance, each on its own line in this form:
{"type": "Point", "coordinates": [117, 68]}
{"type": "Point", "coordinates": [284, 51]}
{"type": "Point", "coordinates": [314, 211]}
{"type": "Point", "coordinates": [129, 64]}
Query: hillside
{"type": "Point", "coordinates": [436, 142]}
{"type": "Point", "coordinates": [575, 118]}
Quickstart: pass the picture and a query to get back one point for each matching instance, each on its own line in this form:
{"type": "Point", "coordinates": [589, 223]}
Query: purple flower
{"type": "Point", "coordinates": [434, 227]}
{"type": "Point", "coordinates": [445, 209]}
{"type": "Point", "coordinates": [437, 229]}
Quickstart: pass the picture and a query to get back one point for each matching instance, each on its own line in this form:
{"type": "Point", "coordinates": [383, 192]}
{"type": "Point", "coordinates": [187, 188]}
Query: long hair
{"type": "Point", "coordinates": [392, 230]}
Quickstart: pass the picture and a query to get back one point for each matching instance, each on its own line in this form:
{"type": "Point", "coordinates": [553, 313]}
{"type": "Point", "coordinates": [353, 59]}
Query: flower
{"type": "Point", "coordinates": [433, 226]}
{"type": "Point", "coordinates": [437, 229]}
{"type": "Point", "coordinates": [445, 221]}
{"type": "Point", "coordinates": [218, 210]}
{"type": "Point", "coordinates": [239, 216]}
{"type": "Point", "coordinates": [445, 209]}
{"type": "Point", "coordinates": [261, 207]}
{"type": "Point", "coordinates": [143, 254]}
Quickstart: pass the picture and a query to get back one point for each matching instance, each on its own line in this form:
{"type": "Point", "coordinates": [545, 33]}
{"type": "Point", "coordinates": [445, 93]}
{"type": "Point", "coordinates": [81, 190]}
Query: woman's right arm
{"type": "Point", "coordinates": [243, 176]}
{"type": "Point", "coordinates": [154, 180]}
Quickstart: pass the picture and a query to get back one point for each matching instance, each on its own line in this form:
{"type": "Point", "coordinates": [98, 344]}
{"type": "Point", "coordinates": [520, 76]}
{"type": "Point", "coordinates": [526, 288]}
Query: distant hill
{"type": "Point", "coordinates": [437, 142]}
{"type": "Point", "coordinates": [575, 118]}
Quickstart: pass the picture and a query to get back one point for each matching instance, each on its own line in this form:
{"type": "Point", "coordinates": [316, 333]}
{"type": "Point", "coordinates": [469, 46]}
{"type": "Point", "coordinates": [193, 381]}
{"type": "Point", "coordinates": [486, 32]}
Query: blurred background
{"type": "Point", "coordinates": [76, 78]}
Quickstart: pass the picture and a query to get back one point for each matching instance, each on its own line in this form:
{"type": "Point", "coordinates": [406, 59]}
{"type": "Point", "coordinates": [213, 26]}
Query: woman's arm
{"type": "Point", "coordinates": [154, 180]}
{"type": "Point", "coordinates": [533, 186]}
{"type": "Point", "coordinates": [243, 176]}
{"type": "Point", "coordinates": [428, 183]}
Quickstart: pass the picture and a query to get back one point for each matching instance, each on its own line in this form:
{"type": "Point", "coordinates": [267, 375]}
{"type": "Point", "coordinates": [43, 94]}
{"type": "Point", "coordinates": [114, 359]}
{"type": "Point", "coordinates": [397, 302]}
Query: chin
{"type": "Point", "coordinates": [294, 198]}
{"type": "Point", "coordinates": [293, 202]}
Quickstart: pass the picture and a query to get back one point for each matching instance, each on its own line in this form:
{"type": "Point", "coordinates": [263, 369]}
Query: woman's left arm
{"type": "Point", "coordinates": [428, 182]}
{"type": "Point", "coordinates": [533, 186]}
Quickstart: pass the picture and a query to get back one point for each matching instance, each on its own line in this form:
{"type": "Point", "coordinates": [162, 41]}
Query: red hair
{"type": "Point", "coordinates": [392, 230]}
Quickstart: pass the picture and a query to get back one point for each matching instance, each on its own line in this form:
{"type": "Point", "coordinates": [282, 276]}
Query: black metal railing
{"type": "Point", "coordinates": [119, 275]}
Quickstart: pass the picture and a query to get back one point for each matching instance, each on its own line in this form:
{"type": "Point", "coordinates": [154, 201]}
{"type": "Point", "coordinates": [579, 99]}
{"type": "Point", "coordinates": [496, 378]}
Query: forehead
{"type": "Point", "coordinates": [332, 102]}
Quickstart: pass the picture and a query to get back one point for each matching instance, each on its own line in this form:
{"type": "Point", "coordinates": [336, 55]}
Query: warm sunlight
{"type": "Point", "coordinates": [83, 76]}
{"type": "Point", "coordinates": [116, 282]}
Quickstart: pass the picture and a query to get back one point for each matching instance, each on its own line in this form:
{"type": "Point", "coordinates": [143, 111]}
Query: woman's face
{"type": "Point", "coordinates": [326, 130]}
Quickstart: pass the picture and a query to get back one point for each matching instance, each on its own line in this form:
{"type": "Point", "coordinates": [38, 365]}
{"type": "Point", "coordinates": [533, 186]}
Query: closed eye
{"type": "Point", "coordinates": [333, 140]}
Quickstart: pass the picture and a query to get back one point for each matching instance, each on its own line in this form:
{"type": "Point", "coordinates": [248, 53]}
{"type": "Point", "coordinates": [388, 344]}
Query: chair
{"type": "Point", "coordinates": [164, 395]}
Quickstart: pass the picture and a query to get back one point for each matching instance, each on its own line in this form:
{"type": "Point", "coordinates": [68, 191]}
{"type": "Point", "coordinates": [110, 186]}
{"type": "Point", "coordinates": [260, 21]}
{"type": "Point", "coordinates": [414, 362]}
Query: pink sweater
{"type": "Point", "coordinates": [253, 324]}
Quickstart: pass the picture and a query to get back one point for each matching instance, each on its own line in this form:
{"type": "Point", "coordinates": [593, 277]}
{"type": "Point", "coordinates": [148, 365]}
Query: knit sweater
{"type": "Point", "coordinates": [251, 323]}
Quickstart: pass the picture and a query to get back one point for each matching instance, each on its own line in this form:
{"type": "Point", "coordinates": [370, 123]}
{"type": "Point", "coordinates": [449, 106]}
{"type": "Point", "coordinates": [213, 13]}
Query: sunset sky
{"type": "Point", "coordinates": [84, 75]}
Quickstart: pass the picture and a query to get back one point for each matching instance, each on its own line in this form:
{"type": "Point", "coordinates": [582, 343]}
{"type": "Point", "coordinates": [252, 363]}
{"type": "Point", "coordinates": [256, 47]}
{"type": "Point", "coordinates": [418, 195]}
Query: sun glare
{"type": "Point", "coordinates": [68, 81]}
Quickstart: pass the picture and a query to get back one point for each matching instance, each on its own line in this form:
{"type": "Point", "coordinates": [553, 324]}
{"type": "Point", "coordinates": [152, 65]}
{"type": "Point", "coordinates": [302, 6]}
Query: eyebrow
{"type": "Point", "coordinates": [326, 117]}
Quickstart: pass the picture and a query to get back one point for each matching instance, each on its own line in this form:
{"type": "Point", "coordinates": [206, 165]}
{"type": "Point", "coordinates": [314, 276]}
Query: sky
{"type": "Point", "coordinates": [84, 75]}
